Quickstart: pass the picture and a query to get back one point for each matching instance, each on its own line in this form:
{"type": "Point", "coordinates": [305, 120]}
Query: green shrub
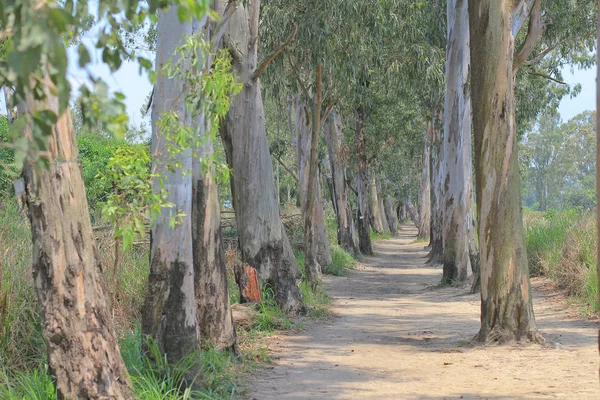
{"type": "Point", "coordinates": [316, 301]}
{"type": "Point", "coordinates": [341, 262]}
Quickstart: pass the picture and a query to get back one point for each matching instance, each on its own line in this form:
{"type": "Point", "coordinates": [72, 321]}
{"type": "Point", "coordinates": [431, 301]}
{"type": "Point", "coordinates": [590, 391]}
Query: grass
{"type": "Point", "coordinates": [23, 366]}
{"type": "Point", "coordinates": [152, 376]}
{"type": "Point", "coordinates": [380, 236]}
{"type": "Point", "coordinates": [562, 246]}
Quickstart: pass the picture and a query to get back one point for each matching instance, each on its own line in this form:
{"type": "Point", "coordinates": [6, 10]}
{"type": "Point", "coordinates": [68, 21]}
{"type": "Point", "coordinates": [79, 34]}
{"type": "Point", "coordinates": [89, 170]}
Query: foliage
{"type": "Point", "coordinates": [152, 375]}
{"type": "Point", "coordinates": [380, 236]}
{"type": "Point", "coordinates": [133, 202]}
{"type": "Point", "coordinates": [341, 262]}
{"type": "Point", "coordinates": [562, 246]}
{"type": "Point", "coordinates": [558, 163]}
{"type": "Point", "coordinates": [270, 317]}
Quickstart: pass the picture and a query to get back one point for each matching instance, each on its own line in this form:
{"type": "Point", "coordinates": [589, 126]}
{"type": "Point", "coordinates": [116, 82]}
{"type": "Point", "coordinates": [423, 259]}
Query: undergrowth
{"type": "Point", "coordinates": [380, 236]}
{"type": "Point", "coordinates": [561, 245]}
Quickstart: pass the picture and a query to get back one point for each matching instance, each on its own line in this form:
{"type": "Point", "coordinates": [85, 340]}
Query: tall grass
{"type": "Point", "coordinates": [562, 246]}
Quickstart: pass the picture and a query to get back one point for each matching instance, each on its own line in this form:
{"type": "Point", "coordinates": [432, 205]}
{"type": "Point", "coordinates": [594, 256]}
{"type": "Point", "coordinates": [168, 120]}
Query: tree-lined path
{"type": "Point", "coordinates": [396, 335]}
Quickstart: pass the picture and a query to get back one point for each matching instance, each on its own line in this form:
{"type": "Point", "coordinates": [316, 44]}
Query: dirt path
{"type": "Point", "coordinates": [397, 337]}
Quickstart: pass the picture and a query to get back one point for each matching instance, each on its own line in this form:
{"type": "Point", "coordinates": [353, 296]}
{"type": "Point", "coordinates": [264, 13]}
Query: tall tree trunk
{"type": "Point", "coordinates": [412, 212]}
{"type": "Point", "coordinates": [460, 249]}
{"type": "Point", "coordinates": [83, 352]}
{"type": "Point", "coordinates": [304, 133]}
{"type": "Point", "coordinates": [436, 243]}
{"type": "Point", "coordinates": [340, 192]}
{"type": "Point", "coordinates": [425, 188]}
{"type": "Point", "coordinates": [169, 313]}
{"type": "Point", "coordinates": [506, 308]}
{"type": "Point", "coordinates": [375, 207]}
{"type": "Point", "coordinates": [362, 183]}
{"type": "Point", "coordinates": [215, 320]}
{"type": "Point", "coordinates": [384, 220]}
{"type": "Point", "coordinates": [313, 220]}
{"type": "Point", "coordinates": [263, 242]}
{"type": "Point", "coordinates": [390, 213]}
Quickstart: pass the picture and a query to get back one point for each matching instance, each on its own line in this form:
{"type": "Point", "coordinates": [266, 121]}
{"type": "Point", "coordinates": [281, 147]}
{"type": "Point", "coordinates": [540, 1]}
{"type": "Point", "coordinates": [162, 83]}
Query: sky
{"type": "Point", "coordinates": [586, 100]}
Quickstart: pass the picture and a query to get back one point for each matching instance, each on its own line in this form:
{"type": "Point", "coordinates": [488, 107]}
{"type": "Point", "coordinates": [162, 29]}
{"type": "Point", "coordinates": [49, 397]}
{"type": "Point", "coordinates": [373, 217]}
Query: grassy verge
{"type": "Point", "coordinates": [380, 236]}
{"type": "Point", "coordinates": [562, 246]}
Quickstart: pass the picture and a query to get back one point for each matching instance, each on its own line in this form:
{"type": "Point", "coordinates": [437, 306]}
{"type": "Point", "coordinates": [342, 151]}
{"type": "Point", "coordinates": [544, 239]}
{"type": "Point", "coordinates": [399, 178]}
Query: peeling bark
{"type": "Point", "coordinates": [340, 192]}
{"type": "Point", "coordinates": [215, 319]}
{"type": "Point", "coordinates": [263, 242]}
{"type": "Point", "coordinates": [436, 238]}
{"type": "Point", "coordinates": [83, 352]}
{"type": "Point", "coordinates": [460, 249]}
{"type": "Point", "coordinates": [304, 128]}
{"type": "Point", "coordinates": [506, 308]}
{"type": "Point", "coordinates": [362, 183]}
{"type": "Point", "coordinates": [169, 314]}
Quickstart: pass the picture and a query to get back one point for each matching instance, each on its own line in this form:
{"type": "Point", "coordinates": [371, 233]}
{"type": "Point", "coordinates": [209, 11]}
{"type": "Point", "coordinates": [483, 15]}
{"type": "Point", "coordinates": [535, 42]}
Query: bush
{"type": "Point", "coordinates": [341, 262]}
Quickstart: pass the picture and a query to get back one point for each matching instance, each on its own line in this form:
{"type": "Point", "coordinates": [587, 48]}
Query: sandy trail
{"type": "Point", "coordinates": [395, 336]}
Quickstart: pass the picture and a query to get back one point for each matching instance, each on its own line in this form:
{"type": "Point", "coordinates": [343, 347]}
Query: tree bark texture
{"type": "Point", "coordinates": [83, 352]}
{"type": "Point", "coordinates": [506, 308]}
{"type": "Point", "coordinates": [425, 188]}
{"type": "Point", "coordinates": [460, 247]}
{"type": "Point", "coordinates": [362, 185]}
{"type": "Point", "coordinates": [378, 221]}
{"type": "Point", "coordinates": [304, 133]}
{"type": "Point", "coordinates": [340, 192]}
{"type": "Point", "coordinates": [390, 213]}
{"type": "Point", "coordinates": [436, 239]}
{"type": "Point", "coordinates": [169, 314]}
{"type": "Point", "coordinates": [215, 319]}
{"type": "Point", "coordinates": [312, 267]}
{"type": "Point", "coordinates": [263, 242]}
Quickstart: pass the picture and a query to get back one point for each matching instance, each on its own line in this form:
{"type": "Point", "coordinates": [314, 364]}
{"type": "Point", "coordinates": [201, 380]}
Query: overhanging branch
{"type": "Point", "coordinates": [263, 65]}
{"type": "Point", "coordinates": [535, 31]}
{"type": "Point", "coordinates": [549, 77]}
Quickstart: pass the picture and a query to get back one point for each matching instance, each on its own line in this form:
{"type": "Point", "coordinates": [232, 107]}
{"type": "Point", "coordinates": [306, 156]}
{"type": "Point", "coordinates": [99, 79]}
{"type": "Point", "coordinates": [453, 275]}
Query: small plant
{"type": "Point", "coordinates": [380, 236]}
{"type": "Point", "coordinates": [341, 262]}
{"type": "Point", "coordinates": [270, 317]}
{"type": "Point", "coordinates": [316, 300]}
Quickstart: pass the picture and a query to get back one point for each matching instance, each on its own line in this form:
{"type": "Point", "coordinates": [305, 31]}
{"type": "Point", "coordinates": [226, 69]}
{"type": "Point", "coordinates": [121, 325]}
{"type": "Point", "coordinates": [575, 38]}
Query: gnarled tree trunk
{"type": "Point", "coordinates": [425, 188]}
{"type": "Point", "coordinates": [460, 249]}
{"type": "Point", "coordinates": [506, 308]}
{"type": "Point", "coordinates": [169, 313]}
{"type": "Point", "coordinates": [83, 352]}
{"type": "Point", "coordinates": [263, 242]}
{"type": "Point", "coordinates": [304, 131]}
{"type": "Point", "coordinates": [392, 218]}
{"type": "Point", "coordinates": [340, 192]}
{"type": "Point", "coordinates": [436, 239]}
{"type": "Point", "coordinates": [362, 183]}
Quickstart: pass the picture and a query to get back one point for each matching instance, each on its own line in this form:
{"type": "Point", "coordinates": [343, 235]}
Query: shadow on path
{"type": "Point", "coordinates": [396, 335]}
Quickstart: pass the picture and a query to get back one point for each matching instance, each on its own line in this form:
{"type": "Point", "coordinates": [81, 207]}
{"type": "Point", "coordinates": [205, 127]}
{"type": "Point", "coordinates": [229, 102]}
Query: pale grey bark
{"type": "Point", "coordinates": [303, 124]}
{"type": "Point", "coordinates": [376, 208]}
{"type": "Point", "coordinates": [215, 320]}
{"type": "Point", "coordinates": [436, 239]}
{"type": "Point", "coordinates": [340, 195]}
{"type": "Point", "coordinates": [263, 242]}
{"type": "Point", "coordinates": [169, 313]}
{"type": "Point", "coordinates": [460, 248]}
{"type": "Point", "coordinates": [83, 352]}
{"type": "Point", "coordinates": [391, 215]}
{"type": "Point", "coordinates": [425, 187]}
{"type": "Point", "coordinates": [507, 307]}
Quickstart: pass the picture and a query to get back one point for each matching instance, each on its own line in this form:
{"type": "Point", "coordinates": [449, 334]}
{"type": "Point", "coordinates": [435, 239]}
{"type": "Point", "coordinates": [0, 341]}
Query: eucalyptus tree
{"type": "Point", "coordinates": [460, 253]}
{"type": "Point", "coordinates": [425, 186]}
{"type": "Point", "coordinates": [76, 323]}
{"type": "Point", "coordinates": [507, 311]}
{"type": "Point", "coordinates": [263, 242]}
{"type": "Point", "coordinates": [378, 221]}
{"type": "Point", "coordinates": [304, 139]}
{"type": "Point", "coordinates": [338, 156]}
{"type": "Point", "coordinates": [436, 234]}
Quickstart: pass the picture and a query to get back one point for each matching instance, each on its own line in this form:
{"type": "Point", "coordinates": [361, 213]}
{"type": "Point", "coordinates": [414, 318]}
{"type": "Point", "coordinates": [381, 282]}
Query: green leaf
{"type": "Point", "coordinates": [84, 55]}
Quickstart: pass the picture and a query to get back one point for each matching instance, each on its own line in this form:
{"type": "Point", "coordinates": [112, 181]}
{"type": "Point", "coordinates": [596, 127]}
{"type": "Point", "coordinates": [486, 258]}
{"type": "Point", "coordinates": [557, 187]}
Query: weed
{"type": "Point", "coordinates": [341, 262]}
